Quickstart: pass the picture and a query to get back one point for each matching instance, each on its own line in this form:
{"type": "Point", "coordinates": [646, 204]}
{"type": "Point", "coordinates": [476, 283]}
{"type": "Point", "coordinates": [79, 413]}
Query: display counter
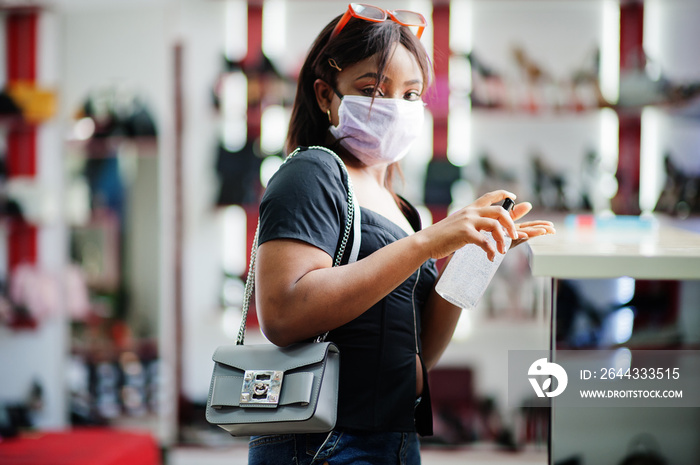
{"type": "Point", "coordinates": [657, 250]}
{"type": "Point", "coordinates": [586, 247]}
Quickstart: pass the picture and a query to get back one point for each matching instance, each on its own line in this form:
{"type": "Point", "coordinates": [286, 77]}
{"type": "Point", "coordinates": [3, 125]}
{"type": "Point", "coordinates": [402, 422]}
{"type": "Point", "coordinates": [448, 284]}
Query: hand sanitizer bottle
{"type": "Point", "coordinates": [469, 272]}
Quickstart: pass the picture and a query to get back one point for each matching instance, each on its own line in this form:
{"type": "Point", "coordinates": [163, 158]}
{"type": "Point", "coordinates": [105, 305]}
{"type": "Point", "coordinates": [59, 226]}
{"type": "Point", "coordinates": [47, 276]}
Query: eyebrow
{"type": "Point", "coordinates": [376, 76]}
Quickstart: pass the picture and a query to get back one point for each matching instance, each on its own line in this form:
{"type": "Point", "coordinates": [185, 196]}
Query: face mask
{"type": "Point", "coordinates": [378, 132]}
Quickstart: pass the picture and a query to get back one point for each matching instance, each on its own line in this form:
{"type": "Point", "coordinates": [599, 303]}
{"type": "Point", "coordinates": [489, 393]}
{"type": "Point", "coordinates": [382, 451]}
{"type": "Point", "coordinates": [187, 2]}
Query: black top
{"type": "Point", "coordinates": [307, 200]}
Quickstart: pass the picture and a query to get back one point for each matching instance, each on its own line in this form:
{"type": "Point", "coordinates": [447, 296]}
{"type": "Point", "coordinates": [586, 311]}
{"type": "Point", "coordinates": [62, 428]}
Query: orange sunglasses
{"type": "Point", "coordinates": [377, 15]}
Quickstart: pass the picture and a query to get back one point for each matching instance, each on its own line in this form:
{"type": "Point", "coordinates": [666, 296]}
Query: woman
{"type": "Point", "coordinates": [359, 94]}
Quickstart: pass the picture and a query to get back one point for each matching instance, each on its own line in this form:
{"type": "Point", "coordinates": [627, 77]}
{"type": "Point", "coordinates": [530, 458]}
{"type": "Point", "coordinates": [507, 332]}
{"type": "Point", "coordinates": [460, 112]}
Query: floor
{"type": "Point", "coordinates": [236, 455]}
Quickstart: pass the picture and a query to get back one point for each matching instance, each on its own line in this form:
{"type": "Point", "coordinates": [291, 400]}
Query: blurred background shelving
{"type": "Point", "coordinates": [137, 137]}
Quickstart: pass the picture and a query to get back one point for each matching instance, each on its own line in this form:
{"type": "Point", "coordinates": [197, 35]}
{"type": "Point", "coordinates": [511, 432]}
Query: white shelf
{"type": "Point", "coordinates": [662, 252]}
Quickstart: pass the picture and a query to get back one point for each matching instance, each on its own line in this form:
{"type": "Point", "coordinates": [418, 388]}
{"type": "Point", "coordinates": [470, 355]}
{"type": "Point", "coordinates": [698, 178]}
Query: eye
{"type": "Point", "coordinates": [370, 91]}
{"type": "Point", "coordinates": [412, 95]}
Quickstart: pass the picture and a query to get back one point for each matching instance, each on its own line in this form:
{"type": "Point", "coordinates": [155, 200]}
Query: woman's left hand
{"type": "Point", "coordinates": [530, 228]}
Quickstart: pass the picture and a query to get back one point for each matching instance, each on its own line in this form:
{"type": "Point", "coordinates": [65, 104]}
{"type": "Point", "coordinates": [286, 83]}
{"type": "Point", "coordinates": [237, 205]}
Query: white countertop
{"type": "Point", "coordinates": [658, 249]}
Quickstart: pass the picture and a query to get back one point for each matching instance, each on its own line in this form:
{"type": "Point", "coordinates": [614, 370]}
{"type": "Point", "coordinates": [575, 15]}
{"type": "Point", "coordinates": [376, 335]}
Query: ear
{"type": "Point", "coordinates": [324, 94]}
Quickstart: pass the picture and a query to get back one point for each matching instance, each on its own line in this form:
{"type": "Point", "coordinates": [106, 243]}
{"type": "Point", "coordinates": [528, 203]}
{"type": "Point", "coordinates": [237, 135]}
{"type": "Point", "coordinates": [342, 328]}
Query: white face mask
{"type": "Point", "coordinates": [382, 134]}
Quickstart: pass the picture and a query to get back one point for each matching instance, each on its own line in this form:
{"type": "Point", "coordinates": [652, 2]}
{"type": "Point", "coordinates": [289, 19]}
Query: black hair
{"type": "Point", "coordinates": [358, 40]}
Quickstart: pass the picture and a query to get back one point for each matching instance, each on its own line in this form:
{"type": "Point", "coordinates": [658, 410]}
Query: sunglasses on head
{"type": "Point", "coordinates": [378, 15]}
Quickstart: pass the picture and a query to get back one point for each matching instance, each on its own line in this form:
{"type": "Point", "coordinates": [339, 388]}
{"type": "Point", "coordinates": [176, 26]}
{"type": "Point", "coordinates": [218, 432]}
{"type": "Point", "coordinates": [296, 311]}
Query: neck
{"type": "Point", "coordinates": [375, 172]}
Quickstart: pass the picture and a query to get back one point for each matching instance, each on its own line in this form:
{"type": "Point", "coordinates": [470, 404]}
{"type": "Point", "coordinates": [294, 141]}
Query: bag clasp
{"type": "Point", "coordinates": [261, 388]}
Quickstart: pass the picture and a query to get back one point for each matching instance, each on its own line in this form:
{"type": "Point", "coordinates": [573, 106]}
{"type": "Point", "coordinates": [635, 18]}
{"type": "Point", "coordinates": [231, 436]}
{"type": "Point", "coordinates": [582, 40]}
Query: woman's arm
{"type": "Point", "coordinates": [439, 320]}
{"type": "Point", "coordinates": [300, 295]}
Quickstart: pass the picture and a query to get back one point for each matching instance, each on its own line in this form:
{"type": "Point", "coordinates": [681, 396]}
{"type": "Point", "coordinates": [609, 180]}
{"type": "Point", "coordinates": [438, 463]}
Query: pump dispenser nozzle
{"type": "Point", "coordinates": [508, 204]}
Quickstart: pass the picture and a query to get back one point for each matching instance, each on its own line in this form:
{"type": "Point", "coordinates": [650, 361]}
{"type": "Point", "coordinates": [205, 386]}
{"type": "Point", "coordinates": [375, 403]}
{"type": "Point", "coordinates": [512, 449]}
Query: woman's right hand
{"type": "Point", "coordinates": [465, 226]}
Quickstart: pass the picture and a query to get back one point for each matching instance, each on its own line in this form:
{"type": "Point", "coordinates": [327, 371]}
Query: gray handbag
{"type": "Point", "coordinates": [265, 389]}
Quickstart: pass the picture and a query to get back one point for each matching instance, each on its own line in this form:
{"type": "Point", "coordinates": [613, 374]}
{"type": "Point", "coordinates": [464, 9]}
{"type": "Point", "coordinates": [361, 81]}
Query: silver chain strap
{"type": "Point", "coordinates": [250, 280]}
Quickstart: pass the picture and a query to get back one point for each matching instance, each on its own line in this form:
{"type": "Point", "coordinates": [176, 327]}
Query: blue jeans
{"type": "Point", "coordinates": [337, 448]}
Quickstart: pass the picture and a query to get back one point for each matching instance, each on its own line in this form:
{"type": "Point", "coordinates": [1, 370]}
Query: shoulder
{"type": "Point", "coordinates": [306, 199]}
{"type": "Point", "coordinates": [308, 164]}
{"type": "Point", "coordinates": [314, 158]}
{"type": "Point", "coordinates": [309, 173]}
